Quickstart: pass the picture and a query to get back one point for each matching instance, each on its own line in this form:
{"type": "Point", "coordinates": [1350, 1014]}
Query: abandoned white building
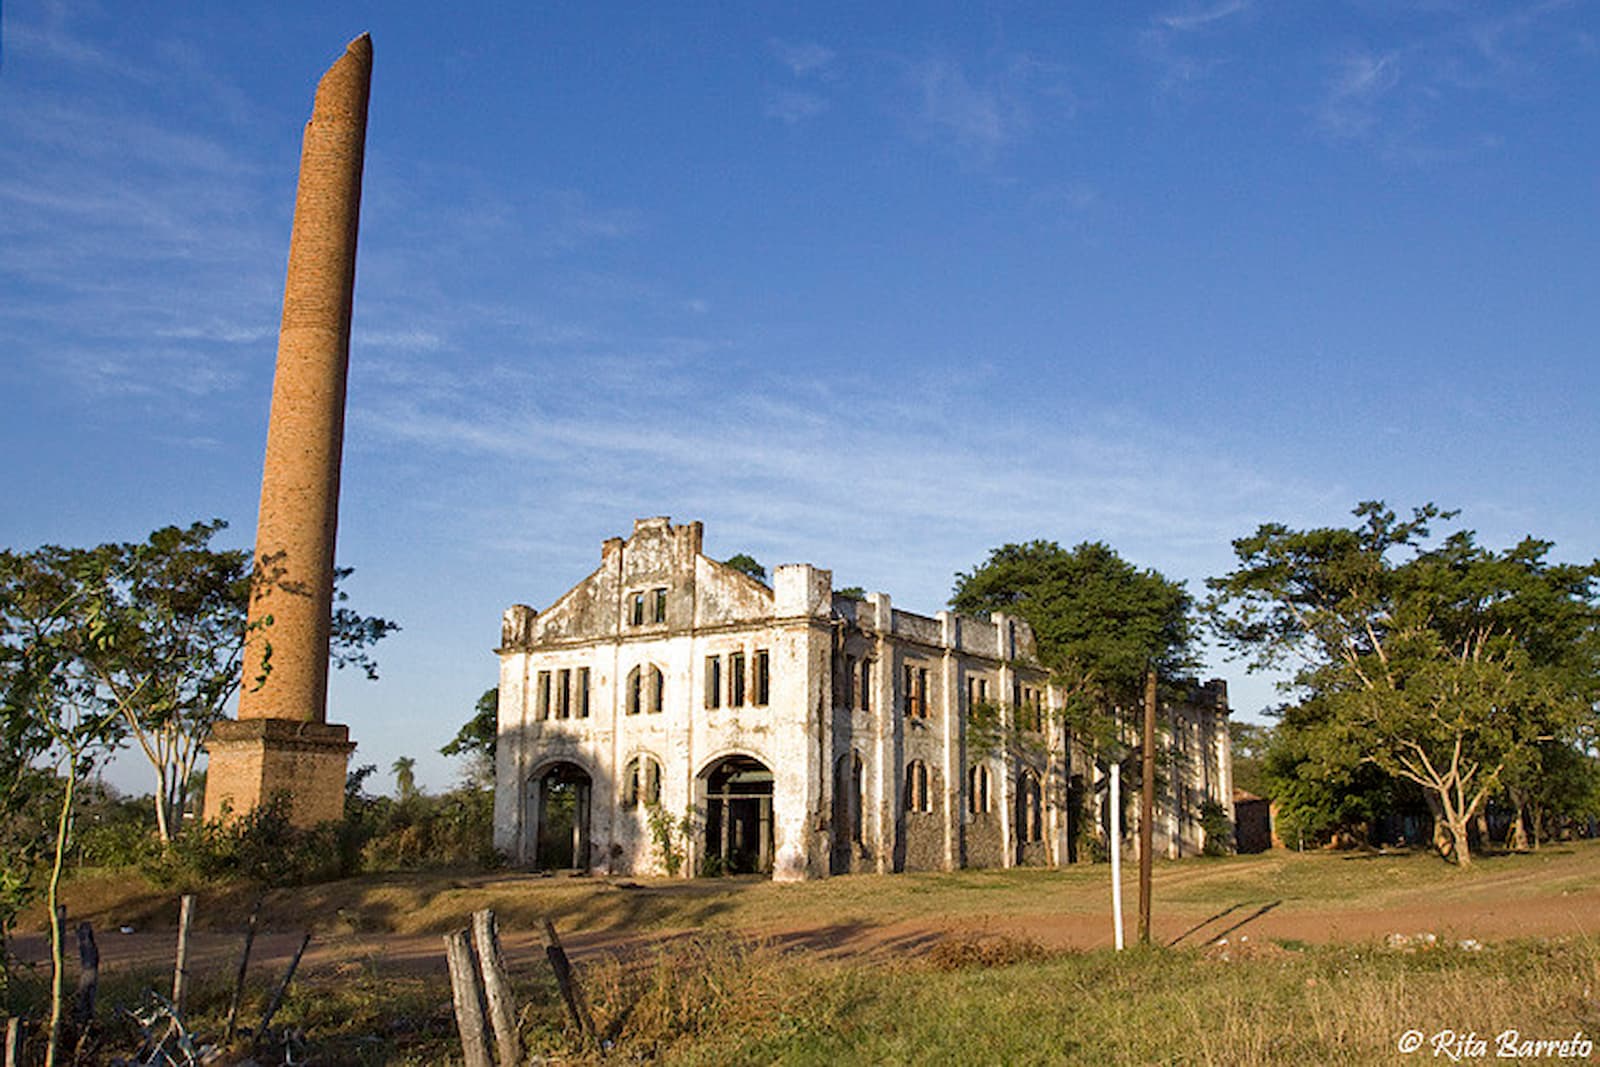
{"type": "Point", "coordinates": [792, 730]}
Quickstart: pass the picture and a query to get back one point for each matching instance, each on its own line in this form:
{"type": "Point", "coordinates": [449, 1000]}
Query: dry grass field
{"type": "Point", "coordinates": [1279, 958]}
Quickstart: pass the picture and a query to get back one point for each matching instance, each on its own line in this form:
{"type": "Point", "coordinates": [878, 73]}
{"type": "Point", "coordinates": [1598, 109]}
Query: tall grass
{"type": "Point", "coordinates": [714, 1002]}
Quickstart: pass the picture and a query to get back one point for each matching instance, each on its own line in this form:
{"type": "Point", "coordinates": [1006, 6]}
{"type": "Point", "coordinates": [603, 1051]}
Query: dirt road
{"type": "Point", "coordinates": [1486, 918]}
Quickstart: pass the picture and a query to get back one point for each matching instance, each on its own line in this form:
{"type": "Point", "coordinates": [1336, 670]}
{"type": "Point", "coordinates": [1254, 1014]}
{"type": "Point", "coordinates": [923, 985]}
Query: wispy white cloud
{"type": "Point", "coordinates": [978, 114]}
{"type": "Point", "coordinates": [1199, 18]}
{"type": "Point", "coordinates": [775, 470]}
{"type": "Point", "coordinates": [976, 117]}
{"type": "Point", "coordinates": [1408, 99]}
{"type": "Point", "coordinates": [410, 340]}
{"type": "Point", "coordinates": [50, 37]}
{"type": "Point", "coordinates": [1356, 90]}
{"type": "Point", "coordinates": [575, 221]}
{"type": "Point", "coordinates": [1184, 46]}
{"type": "Point", "coordinates": [809, 63]}
{"type": "Point", "coordinates": [793, 107]}
{"type": "Point", "coordinates": [805, 59]}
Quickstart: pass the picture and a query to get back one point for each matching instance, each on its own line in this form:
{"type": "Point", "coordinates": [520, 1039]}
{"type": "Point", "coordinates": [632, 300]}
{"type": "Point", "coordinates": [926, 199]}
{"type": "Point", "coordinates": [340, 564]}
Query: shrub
{"type": "Point", "coordinates": [1217, 828]}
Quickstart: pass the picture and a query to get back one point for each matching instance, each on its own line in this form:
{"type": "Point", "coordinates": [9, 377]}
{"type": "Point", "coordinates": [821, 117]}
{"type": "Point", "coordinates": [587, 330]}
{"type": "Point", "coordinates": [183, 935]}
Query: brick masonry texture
{"type": "Point", "coordinates": [298, 522]}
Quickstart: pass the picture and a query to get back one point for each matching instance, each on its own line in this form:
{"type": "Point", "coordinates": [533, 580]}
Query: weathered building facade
{"type": "Point", "coordinates": [671, 706]}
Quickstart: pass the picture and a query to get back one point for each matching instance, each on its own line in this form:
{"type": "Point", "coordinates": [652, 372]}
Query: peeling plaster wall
{"type": "Point", "coordinates": [821, 714]}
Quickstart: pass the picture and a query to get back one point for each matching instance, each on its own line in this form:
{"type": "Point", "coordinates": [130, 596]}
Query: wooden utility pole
{"type": "Point", "coordinates": [1147, 804]}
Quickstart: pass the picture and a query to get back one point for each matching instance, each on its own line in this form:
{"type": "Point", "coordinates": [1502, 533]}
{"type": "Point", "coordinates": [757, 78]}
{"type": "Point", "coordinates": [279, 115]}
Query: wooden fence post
{"type": "Point", "coordinates": [467, 996]}
{"type": "Point", "coordinates": [497, 988]}
{"type": "Point", "coordinates": [244, 967]}
{"type": "Point", "coordinates": [180, 971]}
{"type": "Point", "coordinates": [570, 992]}
{"type": "Point", "coordinates": [88, 978]}
{"type": "Point", "coordinates": [283, 987]}
{"type": "Point", "coordinates": [13, 1042]}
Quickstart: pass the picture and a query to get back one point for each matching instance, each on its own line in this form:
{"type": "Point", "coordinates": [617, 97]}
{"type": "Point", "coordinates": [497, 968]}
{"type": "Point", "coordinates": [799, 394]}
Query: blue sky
{"type": "Point", "coordinates": [872, 288]}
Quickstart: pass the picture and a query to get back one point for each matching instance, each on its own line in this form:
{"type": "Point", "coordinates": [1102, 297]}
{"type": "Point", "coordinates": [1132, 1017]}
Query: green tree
{"type": "Point", "coordinates": [51, 623]}
{"type": "Point", "coordinates": [1249, 741]}
{"type": "Point", "coordinates": [1560, 784]}
{"type": "Point", "coordinates": [746, 564]}
{"type": "Point", "coordinates": [1319, 798]}
{"type": "Point", "coordinates": [1100, 622]}
{"type": "Point", "coordinates": [405, 779]}
{"type": "Point", "coordinates": [475, 741]}
{"type": "Point", "coordinates": [173, 626]}
{"type": "Point", "coordinates": [1445, 666]}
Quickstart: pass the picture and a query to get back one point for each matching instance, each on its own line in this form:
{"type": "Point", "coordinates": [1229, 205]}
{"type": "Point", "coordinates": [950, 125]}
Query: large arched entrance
{"type": "Point", "coordinates": [738, 816]}
{"type": "Point", "coordinates": [560, 799]}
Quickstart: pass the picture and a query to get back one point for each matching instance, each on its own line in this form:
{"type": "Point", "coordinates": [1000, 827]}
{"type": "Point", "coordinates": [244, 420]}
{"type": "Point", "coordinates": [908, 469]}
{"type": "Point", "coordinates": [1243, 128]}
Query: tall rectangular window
{"type": "Point", "coordinates": [564, 694]}
{"type": "Point", "coordinates": [583, 692]}
{"type": "Point", "coordinates": [916, 692]}
{"type": "Point", "coordinates": [849, 683]}
{"type": "Point", "coordinates": [713, 681]}
{"type": "Point", "coordinates": [658, 611]}
{"type": "Point", "coordinates": [542, 696]}
{"type": "Point", "coordinates": [736, 680]}
{"type": "Point", "coordinates": [763, 683]}
{"type": "Point", "coordinates": [636, 610]}
{"type": "Point", "coordinates": [658, 685]}
{"type": "Point", "coordinates": [865, 703]}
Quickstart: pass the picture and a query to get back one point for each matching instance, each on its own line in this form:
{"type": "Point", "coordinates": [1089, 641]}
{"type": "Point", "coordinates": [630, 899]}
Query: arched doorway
{"type": "Point", "coordinates": [561, 818]}
{"type": "Point", "coordinates": [1029, 824]}
{"type": "Point", "coordinates": [738, 816]}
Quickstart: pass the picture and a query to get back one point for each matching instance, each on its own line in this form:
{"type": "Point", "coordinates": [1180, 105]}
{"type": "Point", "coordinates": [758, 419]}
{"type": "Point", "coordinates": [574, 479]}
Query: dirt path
{"type": "Point", "coordinates": [1576, 912]}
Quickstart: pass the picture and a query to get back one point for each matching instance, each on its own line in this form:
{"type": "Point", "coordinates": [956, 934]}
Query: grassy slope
{"type": "Point", "coordinates": [435, 902]}
{"type": "Point", "coordinates": [719, 1000]}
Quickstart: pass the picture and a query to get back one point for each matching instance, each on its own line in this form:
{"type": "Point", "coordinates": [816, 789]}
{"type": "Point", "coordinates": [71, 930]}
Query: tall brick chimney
{"type": "Point", "coordinates": [282, 742]}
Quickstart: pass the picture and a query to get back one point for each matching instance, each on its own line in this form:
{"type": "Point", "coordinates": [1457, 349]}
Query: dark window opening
{"type": "Point", "coordinates": [641, 783]}
{"type": "Point", "coordinates": [542, 696]}
{"type": "Point", "coordinates": [916, 692]}
{"type": "Point", "coordinates": [763, 682]}
{"type": "Point", "coordinates": [713, 681]}
{"type": "Point", "coordinates": [917, 798]}
{"type": "Point", "coordinates": [978, 789]}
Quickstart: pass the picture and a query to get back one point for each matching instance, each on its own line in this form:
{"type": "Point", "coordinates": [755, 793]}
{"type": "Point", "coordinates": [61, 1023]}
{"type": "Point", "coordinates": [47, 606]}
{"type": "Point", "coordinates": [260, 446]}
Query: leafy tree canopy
{"type": "Point", "coordinates": [475, 741]}
{"type": "Point", "coordinates": [1444, 663]}
{"type": "Point", "coordinates": [746, 564]}
{"type": "Point", "coordinates": [154, 632]}
{"type": "Point", "coordinates": [1100, 621]}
